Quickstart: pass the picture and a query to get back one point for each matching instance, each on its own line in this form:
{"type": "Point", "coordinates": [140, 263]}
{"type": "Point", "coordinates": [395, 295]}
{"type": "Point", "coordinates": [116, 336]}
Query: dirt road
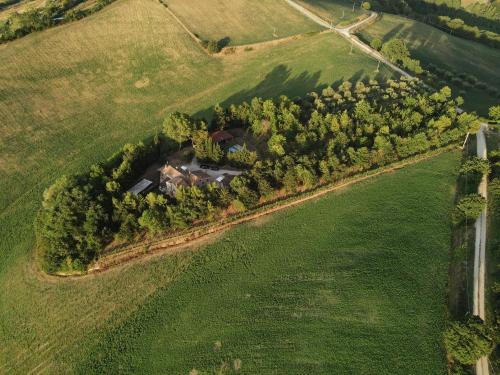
{"type": "Point", "coordinates": [482, 367]}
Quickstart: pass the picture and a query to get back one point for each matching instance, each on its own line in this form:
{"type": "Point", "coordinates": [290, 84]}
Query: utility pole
{"type": "Point", "coordinates": [353, 5]}
{"type": "Point", "coordinates": [343, 14]}
{"type": "Point", "coordinates": [352, 47]}
{"type": "Point", "coordinates": [275, 34]}
{"type": "Point", "coordinates": [378, 67]}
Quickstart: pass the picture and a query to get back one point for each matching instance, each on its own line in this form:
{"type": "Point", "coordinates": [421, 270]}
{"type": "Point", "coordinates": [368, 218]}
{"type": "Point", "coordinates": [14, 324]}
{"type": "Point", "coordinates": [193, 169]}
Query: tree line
{"type": "Point", "coordinates": [307, 141]}
{"type": "Point", "coordinates": [52, 13]}
{"type": "Point", "coordinates": [455, 20]}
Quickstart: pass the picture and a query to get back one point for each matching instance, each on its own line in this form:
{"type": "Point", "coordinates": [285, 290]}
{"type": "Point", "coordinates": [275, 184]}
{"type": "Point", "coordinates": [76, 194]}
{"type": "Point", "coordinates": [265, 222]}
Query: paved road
{"type": "Point", "coordinates": [482, 367]}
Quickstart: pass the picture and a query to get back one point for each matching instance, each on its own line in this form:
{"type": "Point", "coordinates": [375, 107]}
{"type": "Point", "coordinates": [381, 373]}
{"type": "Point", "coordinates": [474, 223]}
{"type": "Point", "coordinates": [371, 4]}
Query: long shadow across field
{"type": "Point", "coordinates": [279, 81]}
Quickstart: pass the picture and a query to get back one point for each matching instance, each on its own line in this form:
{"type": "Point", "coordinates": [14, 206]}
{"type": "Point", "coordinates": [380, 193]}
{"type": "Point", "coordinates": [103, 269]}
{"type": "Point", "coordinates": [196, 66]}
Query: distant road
{"type": "Point", "coordinates": [346, 32]}
{"type": "Point", "coordinates": [482, 367]}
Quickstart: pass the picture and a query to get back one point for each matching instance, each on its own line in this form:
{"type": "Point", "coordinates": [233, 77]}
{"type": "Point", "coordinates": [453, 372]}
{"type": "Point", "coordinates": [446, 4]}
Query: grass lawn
{"type": "Point", "coordinates": [70, 97]}
{"type": "Point", "coordinates": [431, 45]}
{"type": "Point", "coordinates": [353, 283]}
{"type": "Point", "coordinates": [242, 21]}
{"type": "Point", "coordinates": [334, 10]}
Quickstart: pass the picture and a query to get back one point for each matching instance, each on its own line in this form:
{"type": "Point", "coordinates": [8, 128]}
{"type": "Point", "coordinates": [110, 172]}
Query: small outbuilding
{"type": "Point", "coordinates": [221, 136]}
{"type": "Point", "coordinates": [141, 187]}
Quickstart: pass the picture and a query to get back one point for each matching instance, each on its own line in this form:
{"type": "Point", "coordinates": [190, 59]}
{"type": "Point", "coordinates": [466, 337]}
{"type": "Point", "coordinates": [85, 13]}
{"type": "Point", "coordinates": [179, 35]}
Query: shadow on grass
{"type": "Point", "coordinates": [279, 81]}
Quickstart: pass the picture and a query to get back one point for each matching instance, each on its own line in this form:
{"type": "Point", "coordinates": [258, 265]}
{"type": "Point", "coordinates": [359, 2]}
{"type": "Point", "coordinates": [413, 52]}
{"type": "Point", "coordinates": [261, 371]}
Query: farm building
{"type": "Point", "coordinates": [172, 178]}
{"type": "Point", "coordinates": [234, 148]}
{"type": "Point", "coordinates": [199, 178]}
{"type": "Point", "coordinates": [141, 187]}
{"type": "Point", "coordinates": [221, 136]}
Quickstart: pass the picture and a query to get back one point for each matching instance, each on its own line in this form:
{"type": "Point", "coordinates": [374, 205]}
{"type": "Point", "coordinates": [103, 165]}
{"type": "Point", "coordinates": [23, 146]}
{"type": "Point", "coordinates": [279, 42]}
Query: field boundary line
{"type": "Point", "coordinates": [181, 242]}
{"type": "Point", "coordinates": [231, 50]}
{"type": "Point", "coordinates": [184, 26]}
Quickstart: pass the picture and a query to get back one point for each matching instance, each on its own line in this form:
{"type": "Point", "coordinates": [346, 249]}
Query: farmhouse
{"type": "Point", "coordinates": [199, 178]}
{"type": "Point", "coordinates": [221, 136]}
{"type": "Point", "coordinates": [172, 178]}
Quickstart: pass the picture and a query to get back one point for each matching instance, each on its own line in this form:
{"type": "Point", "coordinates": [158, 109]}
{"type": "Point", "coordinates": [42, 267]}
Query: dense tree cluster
{"type": "Point", "coordinates": [52, 13]}
{"type": "Point", "coordinates": [397, 51]}
{"type": "Point", "coordinates": [468, 341]}
{"type": "Point", "coordinates": [316, 139]}
{"type": "Point", "coordinates": [480, 27]}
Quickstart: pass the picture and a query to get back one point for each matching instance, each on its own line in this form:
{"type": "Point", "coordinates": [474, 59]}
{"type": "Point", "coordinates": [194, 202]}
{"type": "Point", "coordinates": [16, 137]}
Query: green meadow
{"type": "Point", "coordinates": [70, 97]}
{"type": "Point", "coordinates": [352, 283]}
{"type": "Point", "coordinates": [433, 46]}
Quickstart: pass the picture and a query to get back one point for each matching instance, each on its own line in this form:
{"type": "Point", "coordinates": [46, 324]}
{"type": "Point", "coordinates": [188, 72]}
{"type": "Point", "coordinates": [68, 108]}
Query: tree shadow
{"type": "Point", "coordinates": [224, 42]}
{"type": "Point", "coordinates": [395, 31]}
{"type": "Point", "coordinates": [279, 81]}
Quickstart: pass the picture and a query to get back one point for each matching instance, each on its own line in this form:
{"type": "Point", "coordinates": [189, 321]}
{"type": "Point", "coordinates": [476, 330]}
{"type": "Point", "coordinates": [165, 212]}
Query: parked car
{"type": "Point", "coordinates": [214, 168]}
{"type": "Point", "coordinates": [204, 166]}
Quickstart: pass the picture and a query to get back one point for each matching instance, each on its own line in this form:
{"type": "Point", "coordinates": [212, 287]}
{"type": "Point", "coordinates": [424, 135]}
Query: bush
{"type": "Point", "coordinates": [376, 44]}
{"type": "Point", "coordinates": [469, 341]}
{"type": "Point", "coordinates": [469, 207]}
{"type": "Point", "coordinates": [476, 165]}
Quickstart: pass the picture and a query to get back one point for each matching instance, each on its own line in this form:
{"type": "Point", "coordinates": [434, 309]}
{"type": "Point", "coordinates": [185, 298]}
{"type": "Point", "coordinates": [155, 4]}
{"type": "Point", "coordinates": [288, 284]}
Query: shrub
{"type": "Point", "coordinates": [469, 341]}
{"type": "Point", "coordinates": [376, 44]}
{"type": "Point", "coordinates": [494, 113]}
{"type": "Point", "coordinates": [469, 207]}
{"type": "Point", "coordinates": [476, 165]}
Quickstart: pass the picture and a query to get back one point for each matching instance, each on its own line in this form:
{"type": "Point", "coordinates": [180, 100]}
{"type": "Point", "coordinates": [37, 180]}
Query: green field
{"type": "Point", "coordinates": [430, 45]}
{"type": "Point", "coordinates": [242, 21]}
{"type": "Point", "coordinates": [70, 97]}
{"type": "Point", "coordinates": [352, 283]}
{"type": "Point", "coordinates": [335, 11]}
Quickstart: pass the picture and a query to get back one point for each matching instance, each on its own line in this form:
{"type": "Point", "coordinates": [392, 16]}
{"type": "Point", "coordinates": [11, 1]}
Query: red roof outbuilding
{"type": "Point", "coordinates": [221, 136]}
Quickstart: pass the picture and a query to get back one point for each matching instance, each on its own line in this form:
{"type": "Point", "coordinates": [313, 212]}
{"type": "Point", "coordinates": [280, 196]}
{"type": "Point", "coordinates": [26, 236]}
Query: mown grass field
{"type": "Point", "coordinates": [431, 45]}
{"type": "Point", "coordinates": [335, 11]}
{"type": "Point", "coordinates": [353, 283]}
{"type": "Point", "coordinates": [70, 97]}
{"type": "Point", "coordinates": [242, 21]}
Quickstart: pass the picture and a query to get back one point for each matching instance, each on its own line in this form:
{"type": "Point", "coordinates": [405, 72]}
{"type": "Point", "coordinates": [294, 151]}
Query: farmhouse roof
{"type": "Point", "coordinates": [140, 187]}
{"type": "Point", "coordinates": [221, 136]}
{"type": "Point", "coordinates": [171, 172]}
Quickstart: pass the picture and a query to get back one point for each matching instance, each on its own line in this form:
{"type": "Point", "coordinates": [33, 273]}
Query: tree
{"type": "Point", "coordinates": [366, 5]}
{"type": "Point", "coordinates": [470, 207]}
{"type": "Point", "coordinates": [72, 225]}
{"type": "Point", "coordinates": [243, 158]}
{"type": "Point", "coordinates": [469, 341]}
{"type": "Point", "coordinates": [494, 113]}
{"type": "Point", "coordinates": [376, 44]}
{"type": "Point", "coordinates": [179, 127]}
{"type": "Point", "coordinates": [205, 148]}
{"type": "Point", "coordinates": [276, 144]}
{"type": "Point", "coordinates": [476, 165]}
{"type": "Point", "coordinates": [395, 50]}
{"type": "Point", "coordinates": [241, 185]}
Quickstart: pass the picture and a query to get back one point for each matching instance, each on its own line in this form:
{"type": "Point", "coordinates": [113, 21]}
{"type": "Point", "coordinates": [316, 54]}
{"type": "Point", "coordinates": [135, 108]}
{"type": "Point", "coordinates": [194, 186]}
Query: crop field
{"type": "Point", "coordinates": [69, 98]}
{"type": "Point", "coordinates": [9, 7]}
{"type": "Point", "coordinates": [353, 283]}
{"type": "Point", "coordinates": [433, 46]}
{"type": "Point", "coordinates": [242, 21]}
{"type": "Point", "coordinates": [336, 11]}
